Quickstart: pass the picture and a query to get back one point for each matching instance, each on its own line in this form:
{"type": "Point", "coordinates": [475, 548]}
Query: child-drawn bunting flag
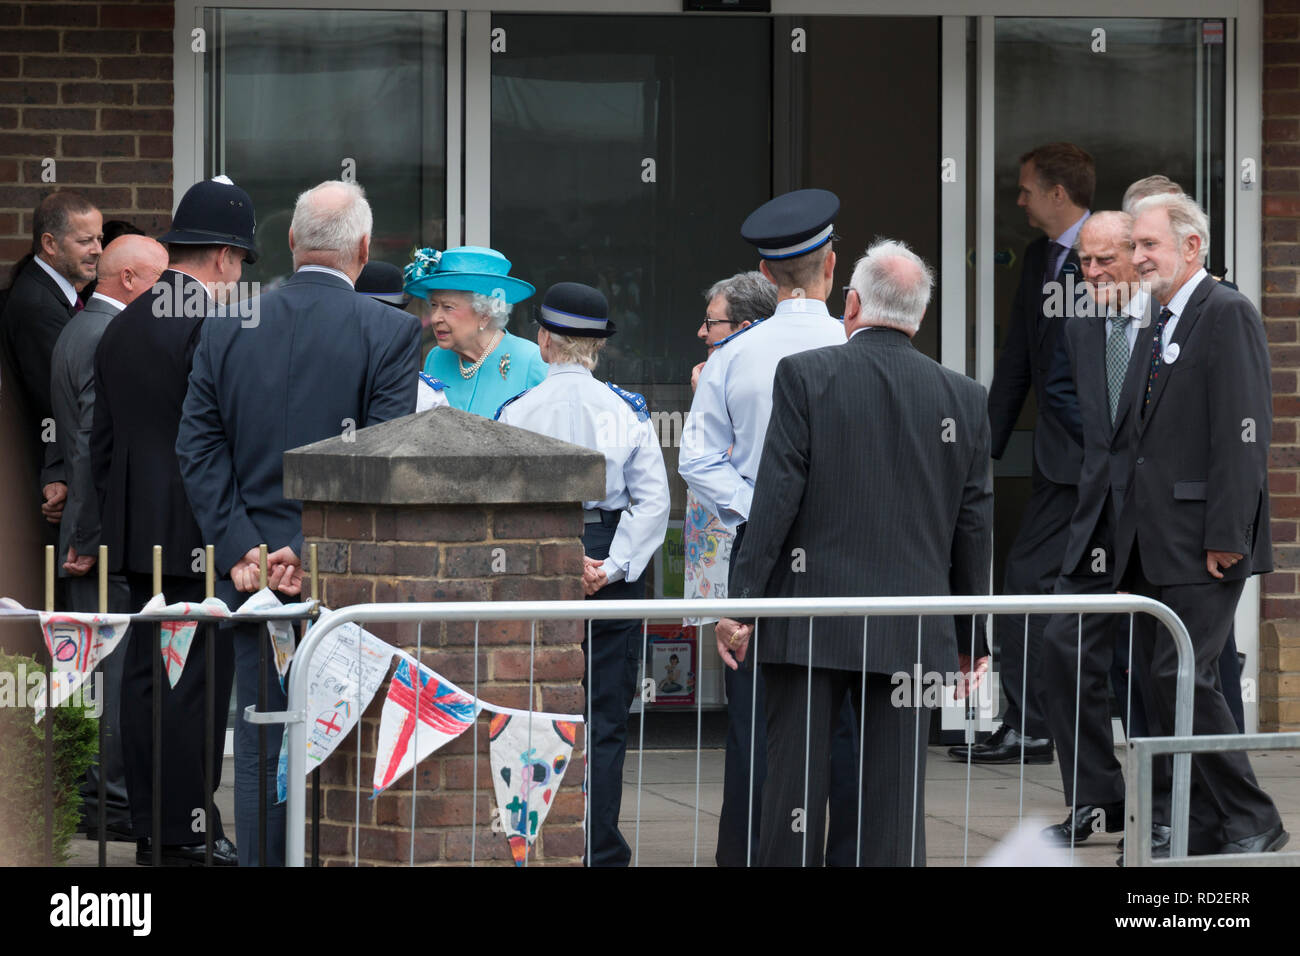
{"type": "Point", "coordinates": [77, 643]}
{"type": "Point", "coordinates": [347, 670]}
{"type": "Point", "coordinates": [177, 636]}
{"type": "Point", "coordinates": [265, 602]}
{"type": "Point", "coordinates": [529, 754]}
{"type": "Point", "coordinates": [444, 712]}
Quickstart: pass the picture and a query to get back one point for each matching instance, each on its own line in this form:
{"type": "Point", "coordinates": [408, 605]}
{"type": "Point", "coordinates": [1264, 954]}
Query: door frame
{"type": "Point", "coordinates": [468, 139]}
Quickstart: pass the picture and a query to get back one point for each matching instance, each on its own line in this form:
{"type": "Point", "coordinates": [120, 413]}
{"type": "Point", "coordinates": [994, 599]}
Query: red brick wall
{"type": "Point", "coordinates": [1280, 609]}
{"type": "Point", "coordinates": [88, 85]}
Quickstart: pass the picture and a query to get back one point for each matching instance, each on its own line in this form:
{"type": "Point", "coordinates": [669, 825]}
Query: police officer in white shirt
{"type": "Point", "coordinates": [624, 529]}
{"type": "Point", "coordinates": [723, 442]}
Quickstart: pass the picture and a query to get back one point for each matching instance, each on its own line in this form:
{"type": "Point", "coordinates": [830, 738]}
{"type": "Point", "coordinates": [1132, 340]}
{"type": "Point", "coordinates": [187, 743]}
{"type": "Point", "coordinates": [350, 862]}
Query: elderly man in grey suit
{"type": "Point", "coordinates": [128, 267]}
{"type": "Point", "coordinates": [874, 480]}
{"type": "Point", "coordinates": [315, 360]}
{"type": "Point", "coordinates": [1194, 523]}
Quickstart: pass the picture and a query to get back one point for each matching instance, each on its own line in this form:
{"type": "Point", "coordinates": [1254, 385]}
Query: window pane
{"type": "Point", "coordinates": [296, 97]}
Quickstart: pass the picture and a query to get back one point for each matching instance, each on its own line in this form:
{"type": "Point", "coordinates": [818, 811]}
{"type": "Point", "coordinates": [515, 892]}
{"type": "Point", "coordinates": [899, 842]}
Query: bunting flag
{"type": "Point", "coordinates": [265, 602]}
{"type": "Point", "coordinates": [529, 754]}
{"type": "Point", "coordinates": [414, 725]}
{"type": "Point", "coordinates": [347, 669]}
{"type": "Point", "coordinates": [77, 643]}
{"type": "Point", "coordinates": [177, 636]}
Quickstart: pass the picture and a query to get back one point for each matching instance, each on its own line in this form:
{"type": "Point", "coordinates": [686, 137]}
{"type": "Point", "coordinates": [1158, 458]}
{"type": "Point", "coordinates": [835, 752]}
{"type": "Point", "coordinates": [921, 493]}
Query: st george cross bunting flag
{"type": "Point", "coordinates": [177, 636]}
{"type": "Point", "coordinates": [413, 725]}
{"type": "Point", "coordinates": [529, 754]}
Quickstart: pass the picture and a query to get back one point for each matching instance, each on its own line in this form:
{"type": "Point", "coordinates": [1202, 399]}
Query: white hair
{"type": "Point", "coordinates": [1185, 217]}
{"type": "Point", "coordinates": [331, 218]}
{"type": "Point", "coordinates": [491, 307]}
{"type": "Point", "coordinates": [894, 285]}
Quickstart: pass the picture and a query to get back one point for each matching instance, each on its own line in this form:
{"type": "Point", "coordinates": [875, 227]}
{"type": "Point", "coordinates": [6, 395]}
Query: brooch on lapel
{"type": "Point", "coordinates": [505, 365]}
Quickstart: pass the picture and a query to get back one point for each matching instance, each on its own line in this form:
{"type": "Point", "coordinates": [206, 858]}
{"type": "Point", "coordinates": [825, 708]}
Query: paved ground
{"type": "Point", "coordinates": [668, 821]}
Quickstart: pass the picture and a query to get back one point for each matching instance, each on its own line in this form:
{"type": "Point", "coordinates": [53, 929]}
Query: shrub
{"type": "Point", "coordinates": [22, 769]}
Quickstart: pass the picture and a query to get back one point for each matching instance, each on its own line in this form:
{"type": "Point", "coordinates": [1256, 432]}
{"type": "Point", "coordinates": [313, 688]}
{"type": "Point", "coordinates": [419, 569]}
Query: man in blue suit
{"type": "Point", "coordinates": [312, 360]}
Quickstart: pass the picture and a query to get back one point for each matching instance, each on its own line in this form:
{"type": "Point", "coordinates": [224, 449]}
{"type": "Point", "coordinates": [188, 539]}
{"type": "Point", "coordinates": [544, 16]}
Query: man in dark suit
{"type": "Point", "coordinates": [125, 271]}
{"type": "Point", "coordinates": [822, 524]}
{"type": "Point", "coordinates": [66, 234]}
{"type": "Point", "coordinates": [1056, 186]}
{"type": "Point", "coordinates": [1194, 523]}
{"type": "Point", "coordinates": [142, 369]}
{"type": "Point", "coordinates": [1091, 389]}
{"type": "Point", "coordinates": [315, 360]}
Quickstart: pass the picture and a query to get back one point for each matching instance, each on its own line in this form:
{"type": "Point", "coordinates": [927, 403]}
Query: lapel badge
{"type": "Point", "coordinates": [1171, 353]}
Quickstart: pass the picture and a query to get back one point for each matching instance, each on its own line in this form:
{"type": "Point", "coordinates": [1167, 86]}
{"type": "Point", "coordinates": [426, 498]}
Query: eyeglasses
{"type": "Point", "coordinates": [846, 290]}
{"type": "Point", "coordinates": [710, 323]}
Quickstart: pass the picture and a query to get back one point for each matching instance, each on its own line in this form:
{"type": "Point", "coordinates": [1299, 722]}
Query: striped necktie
{"type": "Point", "coordinates": [1116, 361]}
{"type": "Point", "coordinates": [1154, 373]}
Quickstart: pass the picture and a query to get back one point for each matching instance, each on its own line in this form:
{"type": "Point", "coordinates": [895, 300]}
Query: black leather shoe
{"type": "Point", "coordinates": [1159, 844]}
{"type": "Point", "coordinates": [1081, 822]}
{"type": "Point", "coordinates": [994, 740]}
{"type": "Point", "coordinates": [1037, 750]}
{"type": "Point", "coordinates": [191, 854]}
{"type": "Point", "coordinates": [1269, 841]}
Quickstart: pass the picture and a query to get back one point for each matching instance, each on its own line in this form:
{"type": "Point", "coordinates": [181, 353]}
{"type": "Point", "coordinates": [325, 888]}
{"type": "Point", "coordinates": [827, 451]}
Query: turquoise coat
{"type": "Point", "coordinates": [514, 365]}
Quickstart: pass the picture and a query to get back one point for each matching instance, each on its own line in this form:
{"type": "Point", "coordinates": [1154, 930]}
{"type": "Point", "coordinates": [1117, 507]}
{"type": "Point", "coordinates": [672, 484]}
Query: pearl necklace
{"type": "Point", "coordinates": [468, 373]}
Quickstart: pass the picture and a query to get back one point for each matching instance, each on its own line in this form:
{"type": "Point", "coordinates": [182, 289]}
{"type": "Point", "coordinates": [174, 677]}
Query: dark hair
{"type": "Point", "coordinates": [672, 657]}
{"type": "Point", "coordinates": [119, 227]}
{"type": "Point", "coordinates": [182, 252]}
{"type": "Point", "coordinates": [1066, 165]}
{"type": "Point", "coordinates": [54, 211]}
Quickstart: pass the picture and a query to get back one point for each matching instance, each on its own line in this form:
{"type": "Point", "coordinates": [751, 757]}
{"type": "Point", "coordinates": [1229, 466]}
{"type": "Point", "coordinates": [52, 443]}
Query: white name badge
{"type": "Point", "coordinates": [1171, 353]}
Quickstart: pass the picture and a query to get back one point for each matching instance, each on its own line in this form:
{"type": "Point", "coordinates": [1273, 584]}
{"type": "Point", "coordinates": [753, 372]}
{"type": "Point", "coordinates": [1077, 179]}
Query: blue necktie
{"type": "Point", "coordinates": [1154, 373]}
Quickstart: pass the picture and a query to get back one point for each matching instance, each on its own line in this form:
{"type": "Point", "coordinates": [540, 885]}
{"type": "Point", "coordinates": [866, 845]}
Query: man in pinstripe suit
{"type": "Point", "coordinates": [874, 480]}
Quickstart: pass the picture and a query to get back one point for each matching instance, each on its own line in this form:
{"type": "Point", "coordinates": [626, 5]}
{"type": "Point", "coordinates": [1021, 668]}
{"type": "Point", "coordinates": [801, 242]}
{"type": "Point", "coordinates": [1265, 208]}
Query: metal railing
{"type": "Point", "coordinates": [812, 608]}
{"type": "Point", "coordinates": [1141, 752]}
{"type": "Point", "coordinates": [209, 628]}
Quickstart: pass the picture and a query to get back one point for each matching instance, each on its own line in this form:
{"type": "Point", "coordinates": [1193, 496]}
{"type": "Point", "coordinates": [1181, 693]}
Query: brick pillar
{"type": "Point", "coordinates": [1279, 686]}
{"type": "Point", "coordinates": [447, 506]}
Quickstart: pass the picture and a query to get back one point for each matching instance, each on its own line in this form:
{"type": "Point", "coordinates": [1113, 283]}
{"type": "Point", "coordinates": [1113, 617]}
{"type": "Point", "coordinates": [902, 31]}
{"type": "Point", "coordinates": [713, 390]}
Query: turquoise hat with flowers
{"type": "Point", "coordinates": [465, 269]}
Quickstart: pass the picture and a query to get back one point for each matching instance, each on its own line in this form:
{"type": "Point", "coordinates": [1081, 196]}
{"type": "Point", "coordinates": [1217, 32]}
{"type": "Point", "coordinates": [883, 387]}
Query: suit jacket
{"type": "Point", "coordinates": [316, 356]}
{"type": "Point", "coordinates": [72, 393]}
{"type": "Point", "coordinates": [35, 312]}
{"type": "Point", "coordinates": [1200, 454]}
{"type": "Point", "coordinates": [874, 480]}
{"type": "Point", "coordinates": [1080, 371]}
{"type": "Point", "coordinates": [1031, 342]}
{"type": "Point", "coordinates": [142, 366]}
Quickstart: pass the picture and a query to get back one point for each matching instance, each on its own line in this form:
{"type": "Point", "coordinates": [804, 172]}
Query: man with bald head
{"type": "Point", "coordinates": [1091, 390]}
{"type": "Point", "coordinates": [127, 267]}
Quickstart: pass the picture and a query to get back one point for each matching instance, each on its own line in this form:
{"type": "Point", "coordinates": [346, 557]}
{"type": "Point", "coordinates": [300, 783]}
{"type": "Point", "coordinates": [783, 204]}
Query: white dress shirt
{"type": "Point", "coordinates": [1136, 311]}
{"type": "Point", "coordinates": [572, 405]}
{"type": "Point", "coordinates": [723, 438]}
{"type": "Point", "coordinates": [110, 300]}
{"type": "Point", "coordinates": [1176, 305]}
{"type": "Point", "coordinates": [328, 271]}
{"type": "Point", "coordinates": [67, 287]}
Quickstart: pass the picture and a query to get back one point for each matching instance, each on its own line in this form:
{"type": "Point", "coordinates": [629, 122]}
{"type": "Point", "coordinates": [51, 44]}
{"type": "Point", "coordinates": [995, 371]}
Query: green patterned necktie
{"type": "Point", "coordinates": [1116, 361]}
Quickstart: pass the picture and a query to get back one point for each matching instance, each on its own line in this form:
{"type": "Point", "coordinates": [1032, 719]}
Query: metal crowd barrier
{"type": "Point", "coordinates": [1142, 750]}
{"type": "Point", "coordinates": [645, 610]}
{"type": "Point", "coordinates": [209, 628]}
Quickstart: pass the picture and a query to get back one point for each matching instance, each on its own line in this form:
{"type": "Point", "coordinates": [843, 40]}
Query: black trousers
{"type": "Point", "coordinates": [893, 767]}
{"type": "Point", "coordinates": [182, 722]}
{"type": "Point", "coordinates": [1081, 655]}
{"type": "Point", "coordinates": [613, 658]}
{"type": "Point", "coordinates": [1033, 565]}
{"type": "Point", "coordinates": [1226, 801]}
{"type": "Point", "coordinates": [83, 595]}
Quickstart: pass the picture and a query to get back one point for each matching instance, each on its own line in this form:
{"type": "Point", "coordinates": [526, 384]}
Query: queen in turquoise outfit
{"type": "Point", "coordinates": [468, 293]}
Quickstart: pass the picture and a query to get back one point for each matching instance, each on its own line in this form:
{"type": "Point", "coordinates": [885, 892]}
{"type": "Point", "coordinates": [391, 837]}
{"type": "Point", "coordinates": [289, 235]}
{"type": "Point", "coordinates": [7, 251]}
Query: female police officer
{"type": "Point", "coordinates": [623, 530]}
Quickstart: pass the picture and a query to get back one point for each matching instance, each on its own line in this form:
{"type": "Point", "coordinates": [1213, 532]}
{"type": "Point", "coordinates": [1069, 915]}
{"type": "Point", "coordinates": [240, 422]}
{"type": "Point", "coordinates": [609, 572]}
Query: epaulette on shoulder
{"type": "Point", "coordinates": [752, 325]}
{"type": "Point", "coordinates": [636, 402]}
{"type": "Point", "coordinates": [434, 383]}
{"type": "Point", "coordinates": [497, 416]}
